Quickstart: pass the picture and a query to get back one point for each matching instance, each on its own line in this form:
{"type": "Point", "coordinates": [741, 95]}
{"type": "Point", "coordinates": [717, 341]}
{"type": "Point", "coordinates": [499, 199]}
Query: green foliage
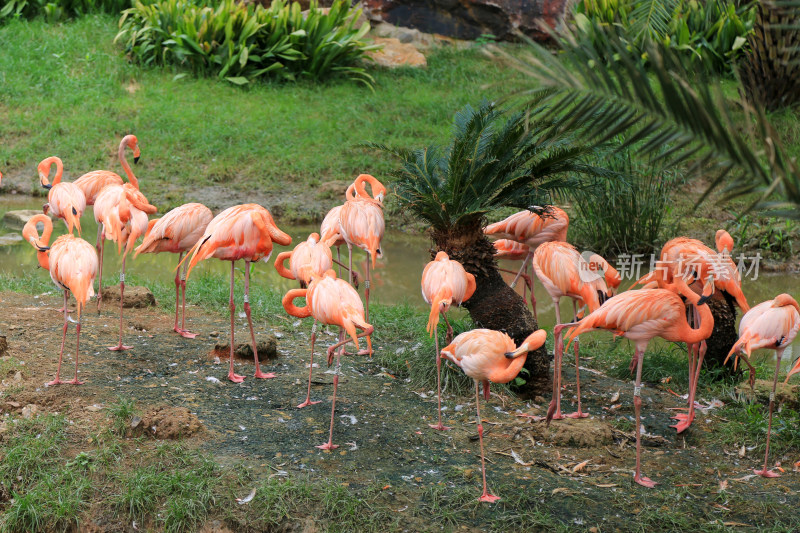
{"type": "Point", "coordinates": [771, 235]}
{"type": "Point", "coordinates": [625, 213]}
{"type": "Point", "coordinates": [54, 10]}
{"type": "Point", "coordinates": [711, 33]}
{"type": "Point", "coordinates": [121, 413]}
{"type": "Point", "coordinates": [770, 71]}
{"type": "Point", "coordinates": [243, 42]}
{"type": "Point", "coordinates": [492, 161]}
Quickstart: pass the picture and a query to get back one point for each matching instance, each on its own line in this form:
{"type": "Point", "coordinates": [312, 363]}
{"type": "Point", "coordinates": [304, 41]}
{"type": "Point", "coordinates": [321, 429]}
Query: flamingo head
{"type": "Point", "coordinates": [442, 256]}
{"type": "Point", "coordinates": [45, 208]}
{"type": "Point", "coordinates": [532, 342]}
{"type": "Point", "coordinates": [133, 143]}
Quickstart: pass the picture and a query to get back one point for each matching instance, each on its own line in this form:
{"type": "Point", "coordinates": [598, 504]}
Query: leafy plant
{"type": "Point", "coordinates": [242, 42]}
{"type": "Point", "coordinates": [770, 71]}
{"type": "Point", "coordinates": [624, 213]}
{"type": "Point", "coordinates": [711, 33]}
{"type": "Point", "coordinates": [54, 10]}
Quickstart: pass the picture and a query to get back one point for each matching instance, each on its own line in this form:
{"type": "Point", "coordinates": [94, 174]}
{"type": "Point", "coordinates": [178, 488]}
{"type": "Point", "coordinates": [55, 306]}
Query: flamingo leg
{"type": "Point", "coordinates": [259, 374]}
{"type": "Point", "coordinates": [77, 347]}
{"type": "Point", "coordinates": [101, 238]}
{"type": "Point", "coordinates": [530, 287]}
{"type": "Point", "coordinates": [368, 351]}
{"type": "Point", "coordinates": [121, 347]}
{"type": "Point", "coordinates": [58, 381]}
{"type": "Point", "coordinates": [524, 264]}
{"type": "Point", "coordinates": [310, 367]}
{"type": "Point", "coordinates": [697, 352]}
{"type": "Point", "coordinates": [764, 472]}
{"type": "Point", "coordinates": [637, 406]}
{"type": "Point", "coordinates": [557, 368]}
{"type": "Point", "coordinates": [339, 260]}
{"type": "Point", "coordinates": [449, 338]}
{"type": "Point", "coordinates": [330, 445]}
{"type": "Point", "coordinates": [485, 496]}
{"type": "Point", "coordinates": [175, 328]}
{"type": "Point", "coordinates": [579, 413]}
{"type": "Point", "coordinates": [184, 332]}
{"type": "Point", "coordinates": [439, 426]}
{"type": "Point", "coordinates": [233, 376]}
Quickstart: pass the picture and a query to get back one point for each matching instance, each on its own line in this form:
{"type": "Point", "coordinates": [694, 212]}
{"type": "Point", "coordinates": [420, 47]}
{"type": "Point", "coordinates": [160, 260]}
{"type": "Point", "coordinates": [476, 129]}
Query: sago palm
{"type": "Point", "coordinates": [492, 161]}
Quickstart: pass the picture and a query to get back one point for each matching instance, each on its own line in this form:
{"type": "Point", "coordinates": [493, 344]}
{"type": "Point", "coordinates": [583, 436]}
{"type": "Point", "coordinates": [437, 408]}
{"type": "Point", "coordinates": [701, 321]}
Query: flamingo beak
{"type": "Point", "coordinates": [522, 350]}
{"type": "Point", "coordinates": [38, 246]}
{"type": "Point", "coordinates": [135, 159]}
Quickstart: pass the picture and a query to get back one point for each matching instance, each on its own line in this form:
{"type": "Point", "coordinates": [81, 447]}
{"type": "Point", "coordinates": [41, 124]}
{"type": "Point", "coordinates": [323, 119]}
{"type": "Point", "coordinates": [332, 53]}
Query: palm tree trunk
{"type": "Point", "coordinates": [724, 335]}
{"type": "Point", "coordinates": [495, 305]}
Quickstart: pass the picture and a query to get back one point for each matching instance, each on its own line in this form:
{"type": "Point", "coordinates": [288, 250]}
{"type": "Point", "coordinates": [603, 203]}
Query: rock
{"type": "Point", "coordinates": [29, 411]}
{"type": "Point", "coordinates": [134, 296]}
{"type": "Point", "coordinates": [17, 219]}
{"type": "Point", "coordinates": [18, 376]}
{"type": "Point", "coordinates": [10, 238]}
{"type": "Point", "coordinates": [420, 40]}
{"type": "Point", "coordinates": [168, 423]}
{"type": "Point", "coordinates": [396, 54]}
{"type": "Point", "coordinates": [579, 433]}
{"type": "Point", "coordinates": [267, 349]}
{"type": "Point", "coordinates": [785, 393]}
{"type": "Point", "coordinates": [470, 19]}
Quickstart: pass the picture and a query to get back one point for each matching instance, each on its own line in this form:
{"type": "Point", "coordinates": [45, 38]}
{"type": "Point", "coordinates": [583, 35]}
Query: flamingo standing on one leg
{"type": "Point", "coordinates": [72, 263]}
{"type": "Point", "coordinates": [309, 259]}
{"type": "Point", "coordinates": [772, 324]}
{"type": "Point", "coordinates": [361, 224]}
{"type": "Point", "coordinates": [515, 251]}
{"type": "Point", "coordinates": [486, 355]}
{"type": "Point", "coordinates": [177, 232]}
{"type": "Point", "coordinates": [532, 227]}
{"type": "Point", "coordinates": [563, 272]}
{"type": "Point", "coordinates": [65, 199]}
{"type": "Point", "coordinates": [92, 183]}
{"type": "Point", "coordinates": [640, 316]}
{"type": "Point", "coordinates": [444, 282]}
{"type": "Point", "coordinates": [246, 232]}
{"type": "Point", "coordinates": [123, 211]}
{"type": "Point", "coordinates": [330, 301]}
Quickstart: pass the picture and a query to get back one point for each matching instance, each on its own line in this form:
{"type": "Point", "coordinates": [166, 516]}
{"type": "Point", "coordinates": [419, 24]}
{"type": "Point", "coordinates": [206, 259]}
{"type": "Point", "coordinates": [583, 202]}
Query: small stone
{"type": "Point", "coordinates": [10, 238]}
{"type": "Point", "coordinates": [135, 297]}
{"type": "Point", "coordinates": [214, 334]}
{"type": "Point", "coordinates": [29, 410]}
{"type": "Point", "coordinates": [267, 349]}
{"type": "Point", "coordinates": [135, 421]}
{"type": "Point", "coordinates": [18, 376]}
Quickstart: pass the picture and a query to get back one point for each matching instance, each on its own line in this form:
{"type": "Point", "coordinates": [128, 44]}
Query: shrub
{"type": "Point", "coordinates": [55, 10]}
{"type": "Point", "coordinates": [713, 33]}
{"type": "Point", "coordinates": [240, 43]}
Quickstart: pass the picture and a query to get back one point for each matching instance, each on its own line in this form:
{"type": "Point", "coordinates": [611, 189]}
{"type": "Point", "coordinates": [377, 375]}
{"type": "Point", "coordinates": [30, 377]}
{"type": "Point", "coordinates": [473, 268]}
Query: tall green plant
{"type": "Point", "coordinates": [242, 42]}
{"type": "Point", "coordinates": [55, 10]}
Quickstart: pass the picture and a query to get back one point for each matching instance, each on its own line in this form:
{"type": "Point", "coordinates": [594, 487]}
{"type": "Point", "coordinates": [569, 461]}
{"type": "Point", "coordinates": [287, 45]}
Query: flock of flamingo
{"type": "Point", "coordinates": [671, 304]}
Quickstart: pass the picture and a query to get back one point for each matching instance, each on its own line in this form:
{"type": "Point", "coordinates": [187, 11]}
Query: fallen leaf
{"type": "Point", "coordinates": [744, 478]}
{"type": "Point", "coordinates": [735, 524]}
{"type": "Point", "coordinates": [723, 485]}
{"type": "Point", "coordinates": [718, 506]}
{"type": "Point", "coordinates": [247, 499]}
{"type": "Point", "coordinates": [614, 398]}
{"type": "Point", "coordinates": [605, 485]}
{"type": "Point", "coordinates": [742, 451]}
{"type": "Point", "coordinates": [518, 459]}
{"type": "Point", "coordinates": [559, 490]}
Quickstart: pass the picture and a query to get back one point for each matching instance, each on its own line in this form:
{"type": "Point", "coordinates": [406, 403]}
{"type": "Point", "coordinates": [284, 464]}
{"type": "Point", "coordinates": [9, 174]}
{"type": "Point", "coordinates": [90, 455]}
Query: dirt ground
{"type": "Point", "coordinates": [582, 469]}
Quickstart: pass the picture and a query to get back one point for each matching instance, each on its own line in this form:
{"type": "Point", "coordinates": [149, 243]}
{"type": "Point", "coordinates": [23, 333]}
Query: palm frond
{"type": "Point", "coordinates": [650, 20]}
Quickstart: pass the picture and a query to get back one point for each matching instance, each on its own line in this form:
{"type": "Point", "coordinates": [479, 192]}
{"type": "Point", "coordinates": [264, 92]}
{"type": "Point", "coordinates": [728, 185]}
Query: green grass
{"type": "Point", "coordinates": [67, 91]}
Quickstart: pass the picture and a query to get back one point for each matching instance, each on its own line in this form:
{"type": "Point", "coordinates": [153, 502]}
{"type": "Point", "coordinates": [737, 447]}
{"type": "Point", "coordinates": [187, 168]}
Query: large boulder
{"type": "Point", "coordinates": [393, 54]}
{"type": "Point", "coordinates": [469, 19]}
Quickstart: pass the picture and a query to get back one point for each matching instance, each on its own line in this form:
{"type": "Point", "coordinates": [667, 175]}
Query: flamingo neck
{"type": "Point", "coordinates": [691, 336]}
{"type": "Point", "coordinates": [44, 168]}
{"type": "Point", "coordinates": [511, 371]}
{"type": "Point", "coordinates": [125, 166]}
{"type": "Point", "coordinates": [361, 188]}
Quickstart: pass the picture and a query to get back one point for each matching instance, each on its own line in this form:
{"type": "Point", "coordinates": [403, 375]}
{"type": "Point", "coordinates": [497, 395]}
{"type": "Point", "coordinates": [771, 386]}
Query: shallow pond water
{"type": "Point", "coordinates": [395, 280]}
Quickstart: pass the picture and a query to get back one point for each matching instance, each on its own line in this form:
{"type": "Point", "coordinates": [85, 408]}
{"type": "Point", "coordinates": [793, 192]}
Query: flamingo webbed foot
{"type": "Point", "coordinates": [766, 473]}
{"type": "Point", "coordinates": [74, 382]}
{"type": "Point", "coordinates": [119, 348]}
{"type": "Point", "coordinates": [644, 481]}
{"type": "Point", "coordinates": [306, 403]}
{"type": "Point", "coordinates": [488, 498]}
{"type": "Point", "coordinates": [261, 375]}
{"type": "Point", "coordinates": [577, 414]}
{"type": "Point", "coordinates": [54, 382]}
{"type": "Point", "coordinates": [439, 427]}
{"type": "Point", "coordinates": [236, 378]}
{"type": "Point", "coordinates": [327, 446]}
{"type": "Point", "coordinates": [185, 333]}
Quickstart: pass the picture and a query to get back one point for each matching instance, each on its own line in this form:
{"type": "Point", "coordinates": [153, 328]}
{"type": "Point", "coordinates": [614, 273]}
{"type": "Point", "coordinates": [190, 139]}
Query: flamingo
{"type": "Point", "coordinates": [246, 232]}
{"type": "Point", "coordinates": [772, 324]}
{"type": "Point", "coordinates": [563, 272]}
{"type": "Point", "coordinates": [92, 183]}
{"type": "Point", "coordinates": [444, 282]}
{"type": "Point", "coordinates": [532, 227]}
{"type": "Point", "coordinates": [596, 263]}
{"type": "Point", "coordinates": [123, 211]}
{"type": "Point", "coordinates": [361, 224]}
{"type": "Point", "coordinates": [65, 199]}
{"type": "Point", "coordinates": [334, 302]}
{"type": "Point", "coordinates": [177, 232]}
{"type": "Point", "coordinates": [515, 251]}
{"type": "Point", "coordinates": [640, 316]}
{"type": "Point", "coordinates": [723, 242]}
{"type": "Point", "coordinates": [72, 263]}
{"type": "Point", "coordinates": [308, 258]}
{"type": "Point", "coordinates": [486, 355]}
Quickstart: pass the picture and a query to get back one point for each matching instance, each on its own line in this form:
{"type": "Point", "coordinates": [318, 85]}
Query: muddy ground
{"type": "Point", "coordinates": [581, 470]}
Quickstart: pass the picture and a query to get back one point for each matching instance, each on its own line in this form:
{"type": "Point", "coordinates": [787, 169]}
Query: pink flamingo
{"type": "Point", "coordinates": [334, 302]}
{"type": "Point", "coordinates": [308, 258]}
{"type": "Point", "coordinates": [246, 232]}
{"type": "Point", "coordinates": [444, 282]}
{"type": "Point", "coordinates": [640, 316]}
{"type": "Point", "coordinates": [515, 251]}
{"type": "Point", "coordinates": [65, 199]}
{"type": "Point", "coordinates": [532, 227]}
{"type": "Point", "coordinates": [177, 232]}
{"type": "Point", "coordinates": [123, 211]}
{"type": "Point", "coordinates": [772, 324]}
{"type": "Point", "coordinates": [361, 224]}
{"type": "Point", "coordinates": [72, 263]}
{"type": "Point", "coordinates": [563, 272]}
{"type": "Point", "coordinates": [486, 355]}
